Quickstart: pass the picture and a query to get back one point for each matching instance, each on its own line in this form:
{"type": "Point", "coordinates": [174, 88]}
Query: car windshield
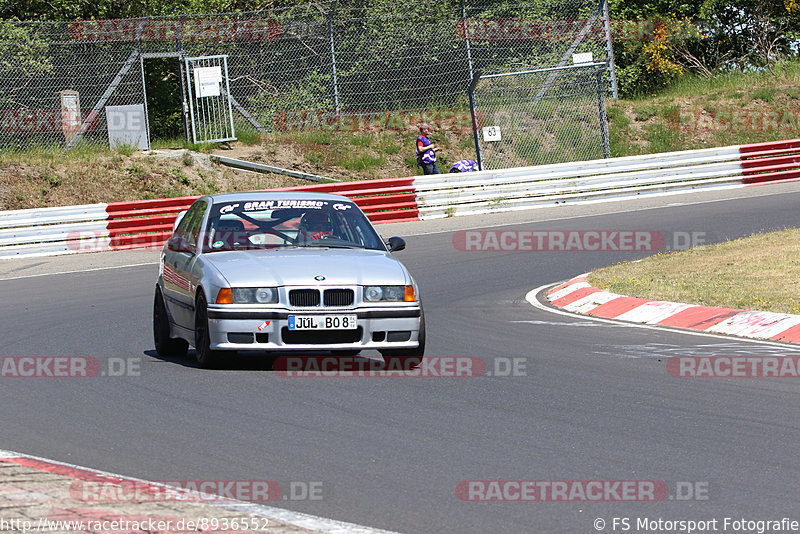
{"type": "Point", "coordinates": [256, 224]}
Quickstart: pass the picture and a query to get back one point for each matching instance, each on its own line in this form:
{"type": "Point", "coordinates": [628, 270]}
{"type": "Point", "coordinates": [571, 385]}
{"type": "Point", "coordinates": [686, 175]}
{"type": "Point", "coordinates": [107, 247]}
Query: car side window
{"type": "Point", "coordinates": [189, 227]}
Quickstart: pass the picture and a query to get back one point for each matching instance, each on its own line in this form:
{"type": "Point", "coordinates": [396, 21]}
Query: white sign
{"type": "Point", "coordinates": [207, 81]}
{"type": "Point", "coordinates": [585, 57]}
{"type": "Point", "coordinates": [127, 126]}
{"type": "Point", "coordinates": [491, 133]}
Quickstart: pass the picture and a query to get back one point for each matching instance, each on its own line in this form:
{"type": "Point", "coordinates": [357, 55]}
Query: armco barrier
{"type": "Point", "coordinates": [148, 223]}
{"type": "Point", "coordinates": [121, 225]}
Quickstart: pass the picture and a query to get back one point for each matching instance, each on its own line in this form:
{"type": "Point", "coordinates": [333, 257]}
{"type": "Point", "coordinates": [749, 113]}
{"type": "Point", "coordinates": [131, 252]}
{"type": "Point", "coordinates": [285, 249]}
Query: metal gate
{"type": "Point", "coordinates": [210, 112]}
{"type": "Point", "coordinates": [541, 116]}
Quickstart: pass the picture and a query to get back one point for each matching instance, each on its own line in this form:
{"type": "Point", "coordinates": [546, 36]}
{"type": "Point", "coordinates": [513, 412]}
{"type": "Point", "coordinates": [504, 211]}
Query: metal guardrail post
{"type": "Point", "coordinates": [612, 72]}
{"type": "Point", "coordinates": [601, 103]}
{"type": "Point", "coordinates": [471, 93]}
{"type": "Point", "coordinates": [333, 59]}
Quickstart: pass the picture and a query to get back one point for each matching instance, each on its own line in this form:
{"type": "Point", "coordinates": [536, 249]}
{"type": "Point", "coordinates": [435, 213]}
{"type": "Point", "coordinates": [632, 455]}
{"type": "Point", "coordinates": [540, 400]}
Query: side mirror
{"type": "Point", "coordinates": [179, 244]}
{"type": "Point", "coordinates": [396, 243]}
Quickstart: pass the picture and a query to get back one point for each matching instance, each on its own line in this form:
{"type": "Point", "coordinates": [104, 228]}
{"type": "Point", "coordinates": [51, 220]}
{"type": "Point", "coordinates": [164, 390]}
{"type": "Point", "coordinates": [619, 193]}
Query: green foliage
{"type": "Point", "coordinates": [645, 112]}
{"type": "Point", "coordinates": [315, 137]}
{"type": "Point", "coordinates": [668, 110]}
{"type": "Point", "coordinates": [76, 10]}
{"type": "Point", "coordinates": [617, 118]}
{"type": "Point", "coordinates": [126, 149]}
{"type": "Point", "coordinates": [466, 142]}
{"type": "Point", "coordinates": [313, 158]}
{"type": "Point", "coordinates": [361, 162]}
{"type": "Point", "coordinates": [162, 80]}
{"type": "Point", "coordinates": [662, 139]}
{"type": "Point", "coordinates": [208, 187]}
{"type": "Point", "coordinates": [388, 146]}
{"type": "Point", "coordinates": [50, 180]}
{"type": "Point", "coordinates": [361, 140]}
{"type": "Point", "coordinates": [723, 36]}
{"type": "Point", "coordinates": [248, 137]}
{"type": "Point", "coordinates": [411, 163]}
{"type": "Point", "coordinates": [22, 55]}
{"type": "Point", "coordinates": [767, 94]}
{"type": "Point", "coordinates": [285, 109]}
{"type": "Point", "coordinates": [137, 171]}
{"type": "Point", "coordinates": [181, 177]}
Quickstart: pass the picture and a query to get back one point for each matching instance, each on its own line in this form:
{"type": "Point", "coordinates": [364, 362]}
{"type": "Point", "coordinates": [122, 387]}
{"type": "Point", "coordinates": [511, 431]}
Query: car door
{"type": "Point", "coordinates": [179, 284]}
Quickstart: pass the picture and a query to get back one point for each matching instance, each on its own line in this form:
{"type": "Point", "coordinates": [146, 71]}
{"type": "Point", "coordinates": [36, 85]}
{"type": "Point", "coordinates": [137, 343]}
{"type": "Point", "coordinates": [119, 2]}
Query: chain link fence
{"type": "Point", "coordinates": [327, 65]}
{"type": "Point", "coordinates": [542, 116]}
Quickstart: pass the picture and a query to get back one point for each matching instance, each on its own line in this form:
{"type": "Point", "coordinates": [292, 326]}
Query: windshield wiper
{"type": "Point", "coordinates": [330, 245]}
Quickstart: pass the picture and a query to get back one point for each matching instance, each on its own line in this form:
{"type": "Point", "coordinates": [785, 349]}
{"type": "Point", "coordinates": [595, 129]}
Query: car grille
{"type": "Point", "coordinates": [307, 298]}
{"type": "Point", "coordinates": [304, 297]}
{"type": "Point", "coordinates": [338, 297]}
{"type": "Point", "coordinates": [320, 337]}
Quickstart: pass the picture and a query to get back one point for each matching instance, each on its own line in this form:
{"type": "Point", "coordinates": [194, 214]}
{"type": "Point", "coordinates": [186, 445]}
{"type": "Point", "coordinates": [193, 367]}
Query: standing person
{"type": "Point", "coordinates": [426, 151]}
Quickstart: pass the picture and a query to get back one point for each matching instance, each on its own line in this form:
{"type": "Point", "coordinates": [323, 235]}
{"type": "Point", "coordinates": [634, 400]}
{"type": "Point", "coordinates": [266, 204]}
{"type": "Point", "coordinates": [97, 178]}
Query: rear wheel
{"type": "Point", "coordinates": [407, 359]}
{"type": "Point", "coordinates": [207, 358]}
{"type": "Point", "coordinates": [165, 345]}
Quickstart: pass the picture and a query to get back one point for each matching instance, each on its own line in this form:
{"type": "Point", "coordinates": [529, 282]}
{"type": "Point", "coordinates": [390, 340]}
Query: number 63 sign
{"type": "Point", "coordinates": [491, 133]}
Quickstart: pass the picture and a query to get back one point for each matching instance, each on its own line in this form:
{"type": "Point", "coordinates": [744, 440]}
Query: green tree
{"type": "Point", "coordinates": [23, 55]}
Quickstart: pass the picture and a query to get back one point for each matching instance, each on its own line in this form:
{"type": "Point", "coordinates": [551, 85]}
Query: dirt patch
{"type": "Point", "coordinates": [43, 179]}
{"type": "Point", "coordinates": [39, 179]}
{"type": "Point", "coordinates": [350, 156]}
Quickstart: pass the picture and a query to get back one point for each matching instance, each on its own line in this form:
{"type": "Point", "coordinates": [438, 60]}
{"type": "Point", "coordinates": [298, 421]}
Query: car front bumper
{"type": "Point", "coordinates": [267, 329]}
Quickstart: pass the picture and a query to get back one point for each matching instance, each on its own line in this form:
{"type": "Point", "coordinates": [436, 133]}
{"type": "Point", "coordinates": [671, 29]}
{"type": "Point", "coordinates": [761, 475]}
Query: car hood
{"type": "Point", "coordinates": [299, 267]}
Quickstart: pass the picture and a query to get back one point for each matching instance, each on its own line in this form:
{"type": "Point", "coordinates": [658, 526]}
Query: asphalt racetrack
{"type": "Point", "coordinates": [592, 401]}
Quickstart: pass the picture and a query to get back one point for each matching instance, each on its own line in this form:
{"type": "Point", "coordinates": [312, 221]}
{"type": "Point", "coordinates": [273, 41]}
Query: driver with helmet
{"type": "Point", "coordinates": [316, 224]}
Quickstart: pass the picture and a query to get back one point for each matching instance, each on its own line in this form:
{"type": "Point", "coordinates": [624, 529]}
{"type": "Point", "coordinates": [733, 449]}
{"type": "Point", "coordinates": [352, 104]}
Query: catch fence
{"type": "Point", "coordinates": [327, 65]}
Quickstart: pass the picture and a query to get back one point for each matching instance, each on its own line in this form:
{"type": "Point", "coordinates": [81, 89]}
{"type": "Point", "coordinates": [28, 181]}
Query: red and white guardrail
{"type": "Point", "coordinates": [144, 223]}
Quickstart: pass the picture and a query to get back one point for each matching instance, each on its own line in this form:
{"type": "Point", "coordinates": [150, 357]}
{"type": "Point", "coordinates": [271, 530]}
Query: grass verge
{"type": "Point", "coordinates": [696, 112]}
{"type": "Point", "coordinates": [757, 273]}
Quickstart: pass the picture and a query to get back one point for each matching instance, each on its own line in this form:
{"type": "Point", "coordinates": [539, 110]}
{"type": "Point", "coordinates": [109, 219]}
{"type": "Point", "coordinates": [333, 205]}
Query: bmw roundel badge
{"type": "Point", "coordinates": [319, 278]}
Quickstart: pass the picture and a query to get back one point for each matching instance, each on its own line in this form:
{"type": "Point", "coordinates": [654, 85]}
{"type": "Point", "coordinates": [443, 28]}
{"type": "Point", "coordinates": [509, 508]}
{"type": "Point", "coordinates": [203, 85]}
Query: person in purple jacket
{"type": "Point", "coordinates": [465, 165]}
{"type": "Point", "coordinates": [426, 151]}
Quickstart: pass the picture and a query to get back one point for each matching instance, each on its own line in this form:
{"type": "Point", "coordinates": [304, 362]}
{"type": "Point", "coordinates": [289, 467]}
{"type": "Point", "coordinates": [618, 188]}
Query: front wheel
{"type": "Point", "coordinates": [207, 358]}
{"type": "Point", "coordinates": [407, 359]}
{"type": "Point", "coordinates": [165, 345]}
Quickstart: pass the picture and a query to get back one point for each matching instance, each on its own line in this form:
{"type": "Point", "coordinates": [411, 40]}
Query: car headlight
{"type": "Point", "coordinates": [255, 295]}
{"type": "Point", "coordinates": [389, 294]}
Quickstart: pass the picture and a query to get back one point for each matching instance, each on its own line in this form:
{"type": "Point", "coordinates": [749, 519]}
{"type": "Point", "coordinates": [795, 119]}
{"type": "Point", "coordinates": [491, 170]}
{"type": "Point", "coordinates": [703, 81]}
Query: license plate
{"type": "Point", "coordinates": [323, 322]}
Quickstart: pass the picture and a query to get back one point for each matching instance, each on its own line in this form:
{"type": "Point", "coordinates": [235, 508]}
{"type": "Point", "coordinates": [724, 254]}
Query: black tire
{"type": "Point", "coordinates": [165, 345]}
{"type": "Point", "coordinates": [207, 358]}
{"type": "Point", "coordinates": [407, 359]}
